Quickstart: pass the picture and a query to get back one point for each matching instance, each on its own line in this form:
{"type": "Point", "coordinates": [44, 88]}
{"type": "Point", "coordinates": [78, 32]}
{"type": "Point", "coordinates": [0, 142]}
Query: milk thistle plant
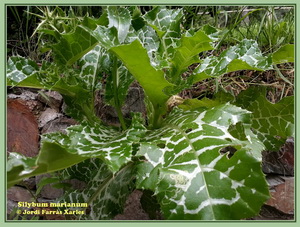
{"type": "Point", "coordinates": [200, 158]}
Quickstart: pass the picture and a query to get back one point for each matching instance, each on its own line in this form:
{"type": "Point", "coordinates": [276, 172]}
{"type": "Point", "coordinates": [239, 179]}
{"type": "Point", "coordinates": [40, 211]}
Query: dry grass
{"type": "Point", "coordinates": [235, 82]}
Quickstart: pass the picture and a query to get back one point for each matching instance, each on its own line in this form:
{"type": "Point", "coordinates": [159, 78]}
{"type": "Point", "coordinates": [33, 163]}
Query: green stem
{"type": "Point", "coordinates": [282, 76]}
{"type": "Point", "coordinates": [157, 119]}
{"type": "Point", "coordinates": [115, 76]}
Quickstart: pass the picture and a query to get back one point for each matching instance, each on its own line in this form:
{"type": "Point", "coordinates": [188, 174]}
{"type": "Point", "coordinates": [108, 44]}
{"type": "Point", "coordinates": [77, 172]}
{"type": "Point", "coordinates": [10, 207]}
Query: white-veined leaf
{"type": "Point", "coordinates": [166, 23]}
{"type": "Point", "coordinates": [105, 193]}
{"type": "Point", "coordinates": [204, 164]}
{"type": "Point", "coordinates": [119, 18]}
{"type": "Point", "coordinates": [22, 72]}
{"type": "Point", "coordinates": [59, 151]}
{"type": "Point", "coordinates": [273, 123]}
{"type": "Point", "coordinates": [109, 144]}
{"type": "Point", "coordinates": [150, 41]}
{"type": "Point", "coordinates": [125, 79]}
{"type": "Point", "coordinates": [243, 56]}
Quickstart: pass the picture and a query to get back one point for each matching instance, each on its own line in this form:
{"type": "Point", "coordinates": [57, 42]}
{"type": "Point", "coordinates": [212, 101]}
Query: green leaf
{"type": "Point", "coordinates": [136, 60]}
{"type": "Point", "coordinates": [273, 123]}
{"type": "Point", "coordinates": [212, 32]}
{"type": "Point", "coordinates": [59, 151]}
{"type": "Point", "coordinates": [119, 18]}
{"type": "Point", "coordinates": [166, 23]}
{"type": "Point", "coordinates": [190, 167]}
{"type": "Point", "coordinates": [150, 41]}
{"type": "Point", "coordinates": [44, 181]}
{"type": "Point", "coordinates": [105, 193]}
{"type": "Point", "coordinates": [22, 72]}
{"type": "Point", "coordinates": [188, 52]}
{"type": "Point", "coordinates": [52, 157]}
{"type": "Point", "coordinates": [284, 54]}
{"type": "Point", "coordinates": [75, 85]}
{"type": "Point", "coordinates": [72, 46]}
{"type": "Point", "coordinates": [125, 79]}
{"type": "Point", "coordinates": [111, 145]}
{"type": "Point", "coordinates": [244, 56]}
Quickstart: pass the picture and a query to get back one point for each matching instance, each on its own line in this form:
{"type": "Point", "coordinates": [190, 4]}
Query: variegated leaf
{"type": "Point", "coordinates": [72, 46]}
{"type": "Point", "coordinates": [59, 151]}
{"type": "Point", "coordinates": [22, 71]}
{"type": "Point", "coordinates": [123, 82]}
{"type": "Point", "coordinates": [150, 79]}
{"type": "Point", "coordinates": [111, 145]}
{"type": "Point", "coordinates": [245, 55]}
{"type": "Point", "coordinates": [51, 158]}
{"type": "Point", "coordinates": [105, 193]}
{"type": "Point", "coordinates": [204, 165]}
{"type": "Point", "coordinates": [150, 41]}
{"type": "Point", "coordinates": [166, 23]}
{"type": "Point", "coordinates": [273, 123]}
{"type": "Point", "coordinates": [92, 64]}
{"type": "Point", "coordinates": [76, 85]}
{"type": "Point", "coordinates": [119, 18]}
{"type": "Point", "coordinates": [187, 53]}
{"type": "Point", "coordinates": [17, 163]}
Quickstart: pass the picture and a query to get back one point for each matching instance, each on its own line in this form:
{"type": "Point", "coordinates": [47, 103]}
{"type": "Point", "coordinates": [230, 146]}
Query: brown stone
{"type": "Point", "coordinates": [22, 129]}
{"type": "Point", "coordinates": [282, 194]}
{"type": "Point", "coordinates": [280, 162]}
{"type": "Point", "coordinates": [52, 98]}
{"type": "Point", "coordinates": [48, 191]}
{"type": "Point", "coordinates": [29, 183]}
{"type": "Point", "coordinates": [30, 100]}
{"type": "Point", "coordinates": [77, 184]}
{"type": "Point", "coordinates": [271, 213]}
{"type": "Point", "coordinates": [58, 125]}
{"type": "Point", "coordinates": [47, 116]}
{"type": "Point", "coordinates": [19, 194]}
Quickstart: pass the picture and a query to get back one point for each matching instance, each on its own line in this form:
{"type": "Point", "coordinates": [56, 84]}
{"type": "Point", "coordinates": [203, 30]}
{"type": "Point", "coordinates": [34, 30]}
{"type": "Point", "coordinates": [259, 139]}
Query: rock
{"type": "Point", "coordinates": [22, 129]}
{"type": "Point", "coordinates": [10, 206]}
{"type": "Point", "coordinates": [35, 107]}
{"type": "Point", "coordinates": [47, 116]}
{"type": "Point", "coordinates": [281, 162]}
{"type": "Point", "coordinates": [52, 98]}
{"type": "Point", "coordinates": [29, 183]}
{"type": "Point", "coordinates": [108, 115]}
{"type": "Point", "coordinates": [282, 193]}
{"type": "Point", "coordinates": [58, 125]}
{"type": "Point", "coordinates": [77, 184]}
{"type": "Point", "coordinates": [134, 102]}
{"type": "Point", "coordinates": [19, 194]}
{"type": "Point", "coordinates": [24, 95]}
{"type": "Point", "coordinates": [30, 100]}
{"type": "Point", "coordinates": [133, 209]}
{"type": "Point", "coordinates": [48, 191]}
{"type": "Point", "coordinates": [271, 213]}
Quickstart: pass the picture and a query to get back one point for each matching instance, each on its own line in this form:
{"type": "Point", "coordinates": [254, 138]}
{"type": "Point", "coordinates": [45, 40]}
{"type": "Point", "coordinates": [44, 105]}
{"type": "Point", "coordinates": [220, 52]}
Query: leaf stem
{"type": "Point", "coordinates": [115, 76]}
